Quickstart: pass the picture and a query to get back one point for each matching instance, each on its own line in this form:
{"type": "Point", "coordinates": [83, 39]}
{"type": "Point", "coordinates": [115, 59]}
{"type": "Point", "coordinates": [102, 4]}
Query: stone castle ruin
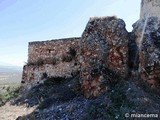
{"type": "Point", "coordinates": [150, 8]}
{"type": "Point", "coordinates": [105, 53]}
{"type": "Point", "coordinates": [50, 58]}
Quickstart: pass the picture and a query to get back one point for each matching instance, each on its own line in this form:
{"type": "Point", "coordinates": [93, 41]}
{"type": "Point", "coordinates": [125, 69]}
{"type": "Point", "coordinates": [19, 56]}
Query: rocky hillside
{"type": "Point", "coordinates": [60, 98]}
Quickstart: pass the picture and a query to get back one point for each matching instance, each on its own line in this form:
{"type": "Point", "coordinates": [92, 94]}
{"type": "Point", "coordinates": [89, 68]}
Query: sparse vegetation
{"type": "Point", "coordinates": [115, 108]}
{"type": "Point", "coordinates": [53, 89]}
{"type": "Point", "coordinates": [59, 97]}
{"type": "Point", "coordinates": [7, 92]}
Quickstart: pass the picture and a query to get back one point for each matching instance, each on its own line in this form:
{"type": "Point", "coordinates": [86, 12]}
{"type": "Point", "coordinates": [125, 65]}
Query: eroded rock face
{"type": "Point", "coordinates": [104, 44]}
{"type": "Point", "coordinates": [149, 50]}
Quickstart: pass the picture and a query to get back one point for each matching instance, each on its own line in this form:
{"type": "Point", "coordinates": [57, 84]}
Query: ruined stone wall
{"type": "Point", "coordinates": [54, 49]}
{"type": "Point", "coordinates": [56, 58]}
{"type": "Point", "coordinates": [150, 8]}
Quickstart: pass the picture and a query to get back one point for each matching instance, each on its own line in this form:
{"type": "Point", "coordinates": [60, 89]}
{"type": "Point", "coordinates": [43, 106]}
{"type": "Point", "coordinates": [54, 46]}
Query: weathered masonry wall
{"type": "Point", "coordinates": [54, 49]}
{"type": "Point", "coordinates": [56, 58]}
{"type": "Point", "coordinates": [149, 47]}
{"type": "Point", "coordinates": [150, 8]}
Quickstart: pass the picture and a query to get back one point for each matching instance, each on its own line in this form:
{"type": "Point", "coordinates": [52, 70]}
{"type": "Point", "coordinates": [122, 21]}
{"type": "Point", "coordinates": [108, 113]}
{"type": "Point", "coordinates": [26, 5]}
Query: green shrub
{"type": "Point", "coordinates": [114, 108]}
{"type": "Point", "coordinates": [9, 92]}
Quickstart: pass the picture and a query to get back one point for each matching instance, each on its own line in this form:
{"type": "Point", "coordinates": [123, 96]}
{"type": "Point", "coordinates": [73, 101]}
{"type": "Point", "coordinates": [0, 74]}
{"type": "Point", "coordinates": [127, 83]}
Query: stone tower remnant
{"type": "Point", "coordinates": [149, 51]}
{"type": "Point", "coordinates": [150, 8]}
{"type": "Point", "coordinates": [147, 36]}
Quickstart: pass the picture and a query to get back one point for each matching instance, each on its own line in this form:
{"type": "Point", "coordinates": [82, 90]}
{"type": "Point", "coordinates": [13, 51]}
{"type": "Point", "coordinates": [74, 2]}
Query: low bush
{"type": "Point", "coordinates": [8, 93]}
{"type": "Point", "coordinates": [115, 108]}
{"type": "Point", "coordinates": [54, 89]}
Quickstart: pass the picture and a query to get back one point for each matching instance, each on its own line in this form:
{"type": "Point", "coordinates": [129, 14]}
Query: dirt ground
{"type": "Point", "coordinates": [11, 112]}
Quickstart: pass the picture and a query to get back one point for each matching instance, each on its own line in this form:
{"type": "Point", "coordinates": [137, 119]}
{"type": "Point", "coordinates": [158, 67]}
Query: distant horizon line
{"type": "Point", "coordinates": [4, 64]}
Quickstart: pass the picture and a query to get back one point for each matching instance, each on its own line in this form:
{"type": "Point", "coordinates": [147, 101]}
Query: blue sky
{"type": "Point", "coordinates": [22, 21]}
